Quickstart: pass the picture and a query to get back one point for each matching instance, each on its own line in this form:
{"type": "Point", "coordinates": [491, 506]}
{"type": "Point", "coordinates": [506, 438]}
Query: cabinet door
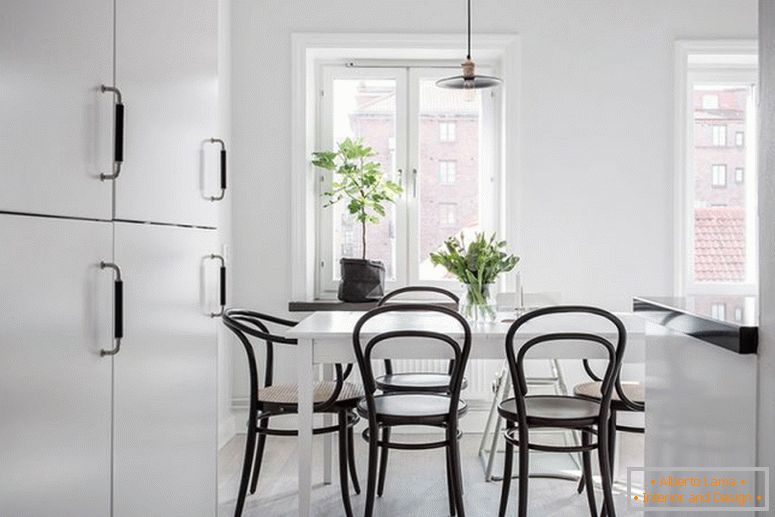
{"type": "Point", "coordinates": [166, 68]}
{"type": "Point", "coordinates": [55, 316]}
{"type": "Point", "coordinates": [56, 130]}
{"type": "Point", "coordinates": [165, 375]}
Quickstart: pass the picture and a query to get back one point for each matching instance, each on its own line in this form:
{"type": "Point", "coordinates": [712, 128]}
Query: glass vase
{"type": "Point", "coordinates": [477, 304]}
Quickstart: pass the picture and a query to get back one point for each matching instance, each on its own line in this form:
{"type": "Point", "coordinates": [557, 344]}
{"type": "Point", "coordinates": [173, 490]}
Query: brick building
{"type": "Point", "coordinates": [720, 184]}
{"type": "Point", "coordinates": [448, 173]}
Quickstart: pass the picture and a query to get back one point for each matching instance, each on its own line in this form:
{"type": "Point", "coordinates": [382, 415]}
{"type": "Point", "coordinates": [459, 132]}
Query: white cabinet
{"type": "Point", "coordinates": [55, 389]}
{"type": "Point", "coordinates": [133, 434]}
{"type": "Point", "coordinates": [56, 130]}
{"type": "Point", "coordinates": [165, 374]}
{"type": "Point", "coordinates": [166, 69]}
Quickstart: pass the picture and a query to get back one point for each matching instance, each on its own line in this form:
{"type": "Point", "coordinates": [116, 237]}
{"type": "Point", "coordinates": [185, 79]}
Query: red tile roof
{"type": "Point", "coordinates": [719, 244]}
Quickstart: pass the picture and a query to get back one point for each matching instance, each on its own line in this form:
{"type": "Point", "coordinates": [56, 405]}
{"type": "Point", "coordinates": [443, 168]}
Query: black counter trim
{"type": "Point", "coordinates": [736, 338]}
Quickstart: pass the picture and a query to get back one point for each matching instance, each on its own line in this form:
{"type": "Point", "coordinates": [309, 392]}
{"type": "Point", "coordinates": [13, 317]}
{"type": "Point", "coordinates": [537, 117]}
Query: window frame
{"type": "Point", "coordinates": [501, 51]}
{"type": "Point", "coordinates": [722, 132]}
{"type": "Point", "coordinates": [701, 63]}
{"type": "Point", "coordinates": [450, 209]}
{"type": "Point", "coordinates": [722, 167]}
{"type": "Point", "coordinates": [449, 134]}
{"type": "Point", "coordinates": [444, 178]}
{"type": "Point", "coordinates": [407, 259]}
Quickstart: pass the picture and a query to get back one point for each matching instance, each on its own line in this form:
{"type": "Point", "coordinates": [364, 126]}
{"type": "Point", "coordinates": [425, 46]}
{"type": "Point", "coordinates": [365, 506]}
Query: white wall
{"type": "Point", "coordinates": [596, 218]}
{"type": "Point", "coordinates": [766, 420]}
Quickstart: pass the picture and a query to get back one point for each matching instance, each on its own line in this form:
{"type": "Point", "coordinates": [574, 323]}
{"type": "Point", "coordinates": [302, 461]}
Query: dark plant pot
{"type": "Point", "coordinates": [362, 280]}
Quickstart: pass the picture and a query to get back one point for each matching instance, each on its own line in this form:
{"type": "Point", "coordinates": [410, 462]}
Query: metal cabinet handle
{"type": "Point", "coordinates": [118, 133]}
{"type": "Point", "coordinates": [223, 169]}
{"type": "Point", "coordinates": [414, 182]}
{"type": "Point", "coordinates": [118, 308]}
{"type": "Point", "coordinates": [222, 278]}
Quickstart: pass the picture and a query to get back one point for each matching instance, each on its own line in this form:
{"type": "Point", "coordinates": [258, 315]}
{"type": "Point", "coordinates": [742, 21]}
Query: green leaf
{"type": "Point", "coordinates": [479, 263]}
{"type": "Point", "coordinates": [358, 179]}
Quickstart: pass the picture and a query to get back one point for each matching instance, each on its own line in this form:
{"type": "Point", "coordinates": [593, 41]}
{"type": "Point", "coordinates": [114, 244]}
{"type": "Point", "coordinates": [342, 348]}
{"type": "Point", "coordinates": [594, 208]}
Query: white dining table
{"type": "Point", "coordinates": [326, 338]}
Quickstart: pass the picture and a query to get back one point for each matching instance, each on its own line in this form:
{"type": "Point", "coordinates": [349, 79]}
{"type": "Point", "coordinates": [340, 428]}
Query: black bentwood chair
{"type": "Point", "coordinates": [389, 410]}
{"type": "Point", "coordinates": [273, 400]}
{"type": "Point", "coordinates": [628, 397]}
{"type": "Point", "coordinates": [411, 382]}
{"type": "Point", "coordinates": [588, 416]}
{"type": "Point", "coordinates": [415, 381]}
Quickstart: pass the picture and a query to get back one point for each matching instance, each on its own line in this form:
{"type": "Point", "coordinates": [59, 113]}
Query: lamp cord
{"type": "Point", "coordinates": [468, 56]}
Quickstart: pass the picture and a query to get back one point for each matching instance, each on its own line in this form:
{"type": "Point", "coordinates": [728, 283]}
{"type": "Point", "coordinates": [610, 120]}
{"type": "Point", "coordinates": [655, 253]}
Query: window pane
{"type": "Point", "coordinates": [449, 142]}
{"type": "Point", "coordinates": [722, 207]}
{"type": "Point", "coordinates": [366, 108]}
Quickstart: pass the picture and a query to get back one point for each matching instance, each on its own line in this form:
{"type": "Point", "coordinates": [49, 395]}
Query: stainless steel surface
{"type": "Point", "coordinates": [55, 135]}
{"type": "Point", "coordinates": [55, 389]}
{"type": "Point", "coordinates": [165, 407]}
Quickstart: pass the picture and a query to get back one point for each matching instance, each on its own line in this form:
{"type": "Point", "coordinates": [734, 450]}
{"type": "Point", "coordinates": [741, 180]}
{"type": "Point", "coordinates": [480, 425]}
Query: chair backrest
{"type": "Point", "coordinates": [632, 405]}
{"type": "Point", "coordinates": [460, 347]}
{"type": "Point", "coordinates": [418, 289]}
{"type": "Point", "coordinates": [615, 351]}
{"type": "Point", "coordinates": [247, 324]}
{"type": "Point", "coordinates": [424, 289]}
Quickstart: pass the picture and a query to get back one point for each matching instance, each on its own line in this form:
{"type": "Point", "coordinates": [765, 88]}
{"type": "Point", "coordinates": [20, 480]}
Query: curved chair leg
{"type": "Point", "coordinates": [383, 462]}
{"type": "Point", "coordinates": [508, 462]}
{"type": "Point", "coordinates": [582, 481]}
{"type": "Point", "coordinates": [371, 480]}
{"type": "Point", "coordinates": [524, 472]}
{"type": "Point", "coordinates": [263, 422]}
{"type": "Point", "coordinates": [351, 458]}
{"type": "Point", "coordinates": [450, 486]}
{"type": "Point", "coordinates": [250, 447]}
{"type": "Point", "coordinates": [586, 477]}
{"type": "Point", "coordinates": [605, 471]}
{"type": "Point", "coordinates": [611, 451]}
{"type": "Point", "coordinates": [343, 482]}
{"type": "Point", "coordinates": [457, 474]}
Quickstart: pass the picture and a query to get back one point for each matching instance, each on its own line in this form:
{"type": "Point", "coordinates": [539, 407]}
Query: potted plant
{"type": "Point", "coordinates": [476, 265]}
{"type": "Point", "coordinates": [360, 182]}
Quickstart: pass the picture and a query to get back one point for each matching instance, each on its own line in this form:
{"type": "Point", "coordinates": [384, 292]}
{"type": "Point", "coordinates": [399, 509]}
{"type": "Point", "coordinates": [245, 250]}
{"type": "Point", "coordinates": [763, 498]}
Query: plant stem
{"type": "Point", "coordinates": [363, 238]}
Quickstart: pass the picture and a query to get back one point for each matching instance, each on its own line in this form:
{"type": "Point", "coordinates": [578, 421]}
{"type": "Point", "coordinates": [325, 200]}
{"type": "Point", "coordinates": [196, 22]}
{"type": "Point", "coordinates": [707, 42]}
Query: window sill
{"type": "Point", "coordinates": [336, 305]}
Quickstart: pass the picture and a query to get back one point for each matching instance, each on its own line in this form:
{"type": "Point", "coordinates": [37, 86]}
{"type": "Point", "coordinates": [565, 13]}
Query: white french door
{"type": "Point", "coordinates": [439, 144]}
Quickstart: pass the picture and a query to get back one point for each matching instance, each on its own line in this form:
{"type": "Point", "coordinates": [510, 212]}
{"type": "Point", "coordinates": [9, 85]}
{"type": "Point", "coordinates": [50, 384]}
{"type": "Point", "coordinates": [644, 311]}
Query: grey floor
{"type": "Point", "coordinates": [416, 484]}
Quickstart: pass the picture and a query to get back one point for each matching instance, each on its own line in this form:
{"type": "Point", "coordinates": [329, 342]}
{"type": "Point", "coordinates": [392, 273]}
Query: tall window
{"type": "Point", "coordinates": [447, 131]}
{"type": "Point", "coordinates": [719, 175]}
{"type": "Point", "coordinates": [719, 135]}
{"type": "Point", "coordinates": [448, 214]}
{"type": "Point", "coordinates": [424, 137]}
{"type": "Point", "coordinates": [720, 222]}
{"type": "Point", "coordinates": [447, 172]}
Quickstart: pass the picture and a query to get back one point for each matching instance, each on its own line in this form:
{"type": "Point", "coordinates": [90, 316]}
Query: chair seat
{"type": "Point", "coordinates": [288, 394]}
{"type": "Point", "coordinates": [410, 406]}
{"type": "Point", "coordinates": [553, 410]}
{"type": "Point", "coordinates": [634, 391]}
{"type": "Point", "coordinates": [416, 381]}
